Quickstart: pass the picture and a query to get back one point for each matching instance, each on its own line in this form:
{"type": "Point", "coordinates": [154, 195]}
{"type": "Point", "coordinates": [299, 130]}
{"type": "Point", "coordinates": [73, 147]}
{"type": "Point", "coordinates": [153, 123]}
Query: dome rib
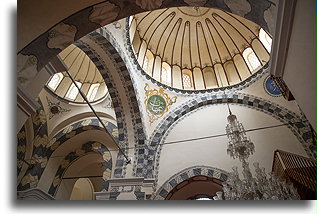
{"type": "Point", "coordinates": [200, 42]}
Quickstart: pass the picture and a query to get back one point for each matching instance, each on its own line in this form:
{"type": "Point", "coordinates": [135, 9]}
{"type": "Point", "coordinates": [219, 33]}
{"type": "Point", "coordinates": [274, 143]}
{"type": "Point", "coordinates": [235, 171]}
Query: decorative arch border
{"type": "Point", "coordinates": [299, 127]}
{"type": "Point", "coordinates": [239, 86]}
{"type": "Point", "coordinates": [181, 176]}
{"type": "Point", "coordinates": [108, 43]}
{"type": "Point", "coordinates": [71, 157]}
{"type": "Point", "coordinates": [54, 40]}
{"type": "Point", "coordinates": [44, 148]}
{"type": "Point", "coordinates": [39, 126]}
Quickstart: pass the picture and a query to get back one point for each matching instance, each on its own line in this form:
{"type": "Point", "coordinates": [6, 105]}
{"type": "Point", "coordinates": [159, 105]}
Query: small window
{"type": "Point", "coordinates": [251, 59]}
{"type": "Point", "coordinates": [73, 91]}
{"type": "Point", "coordinates": [166, 73]}
{"type": "Point", "coordinates": [92, 92]}
{"type": "Point", "coordinates": [265, 39]}
{"type": "Point", "coordinates": [187, 83]}
{"type": "Point", "coordinates": [55, 81]}
{"type": "Point", "coordinates": [145, 63]}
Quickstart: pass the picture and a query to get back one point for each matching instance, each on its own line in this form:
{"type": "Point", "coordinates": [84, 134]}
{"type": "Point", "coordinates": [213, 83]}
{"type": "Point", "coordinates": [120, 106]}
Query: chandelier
{"type": "Point", "coordinates": [258, 187]}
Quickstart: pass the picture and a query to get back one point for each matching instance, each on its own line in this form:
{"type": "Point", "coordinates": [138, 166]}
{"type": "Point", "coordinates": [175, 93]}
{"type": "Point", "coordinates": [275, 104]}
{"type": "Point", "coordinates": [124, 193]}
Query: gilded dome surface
{"type": "Point", "coordinates": [85, 73]}
{"type": "Point", "coordinates": [198, 48]}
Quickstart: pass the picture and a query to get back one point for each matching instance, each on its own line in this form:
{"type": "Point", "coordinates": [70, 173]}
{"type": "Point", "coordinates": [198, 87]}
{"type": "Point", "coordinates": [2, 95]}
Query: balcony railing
{"type": "Point", "coordinates": [297, 169]}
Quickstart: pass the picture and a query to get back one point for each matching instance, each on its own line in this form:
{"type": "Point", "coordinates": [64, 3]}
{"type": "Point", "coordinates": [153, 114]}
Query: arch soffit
{"type": "Point", "coordinates": [131, 115]}
{"type": "Point", "coordinates": [123, 115]}
{"type": "Point", "coordinates": [44, 150]}
{"type": "Point", "coordinates": [72, 157]}
{"type": "Point", "coordinates": [181, 176]}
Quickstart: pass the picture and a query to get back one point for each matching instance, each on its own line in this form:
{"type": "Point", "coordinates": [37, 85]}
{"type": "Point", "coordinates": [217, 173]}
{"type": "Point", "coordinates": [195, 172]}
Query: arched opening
{"type": "Point", "coordinates": [195, 188]}
{"type": "Point", "coordinates": [82, 190]}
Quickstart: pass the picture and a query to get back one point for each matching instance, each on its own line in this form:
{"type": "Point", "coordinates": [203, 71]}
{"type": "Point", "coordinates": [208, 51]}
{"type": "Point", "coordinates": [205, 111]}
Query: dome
{"type": "Point", "coordinates": [85, 73]}
{"type": "Point", "coordinates": [196, 48]}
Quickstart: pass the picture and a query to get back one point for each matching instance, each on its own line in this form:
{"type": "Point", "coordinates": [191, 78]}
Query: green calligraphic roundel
{"type": "Point", "coordinates": [156, 104]}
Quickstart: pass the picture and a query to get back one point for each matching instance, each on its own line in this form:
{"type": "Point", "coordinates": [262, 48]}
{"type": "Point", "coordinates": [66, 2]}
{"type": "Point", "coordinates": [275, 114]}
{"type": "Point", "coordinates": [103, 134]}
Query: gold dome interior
{"type": "Point", "coordinates": [198, 48]}
{"type": "Point", "coordinates": [85, 73]}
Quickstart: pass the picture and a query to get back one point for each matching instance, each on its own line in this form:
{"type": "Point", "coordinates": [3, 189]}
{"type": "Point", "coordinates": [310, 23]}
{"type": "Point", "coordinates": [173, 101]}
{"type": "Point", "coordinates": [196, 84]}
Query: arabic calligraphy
{"type": "Point", "coordinates": [271, 88]}
{"type": "Point", "coordinates": [156, 104]}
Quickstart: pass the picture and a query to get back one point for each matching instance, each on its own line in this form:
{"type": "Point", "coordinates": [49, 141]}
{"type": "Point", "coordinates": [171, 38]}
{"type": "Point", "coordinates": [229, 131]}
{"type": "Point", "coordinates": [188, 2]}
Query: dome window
{"type": "Point", "coordinates": [55, 81]}
{"type": "Point", "coordinates": [73, 91]}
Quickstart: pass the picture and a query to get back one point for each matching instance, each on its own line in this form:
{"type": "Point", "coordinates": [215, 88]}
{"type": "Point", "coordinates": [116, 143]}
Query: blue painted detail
{"type": "Point", "coordinates": [270, 87]}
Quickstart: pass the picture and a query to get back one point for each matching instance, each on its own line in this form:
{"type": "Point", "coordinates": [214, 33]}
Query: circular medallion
{"type": "Point", "coordinates": [156, 104]}
{"type": "Point", "coordinates": [271, 88]}
{"type": "Point", "coordinates": [54, 109]}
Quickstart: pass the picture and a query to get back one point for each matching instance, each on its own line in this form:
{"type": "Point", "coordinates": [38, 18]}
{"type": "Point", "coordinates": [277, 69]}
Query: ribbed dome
{"type": "Point", "coordinates": [198, 48]}
{"type": "Point", "coordinates": [85, 73]}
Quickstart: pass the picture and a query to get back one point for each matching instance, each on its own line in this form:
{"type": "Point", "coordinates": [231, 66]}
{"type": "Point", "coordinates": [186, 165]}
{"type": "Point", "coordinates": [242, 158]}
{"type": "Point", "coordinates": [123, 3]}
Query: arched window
{"type": "Point", "coordinates": [166, 73]}
{"type": "Point", "coordinates": [187, 83]}
{"type": "Point", "coordinates": [251, 59]}
{"type": "Point", "coordinates": [73, 91]}
{"type": "Point", "coordinates": [91, 95]}
{"type": "Point", "coordinates": [145, 63]}
{"type": "Point", "coordinates": [55, 81]}
{"type": "Point", "coordinates": [265, 39]}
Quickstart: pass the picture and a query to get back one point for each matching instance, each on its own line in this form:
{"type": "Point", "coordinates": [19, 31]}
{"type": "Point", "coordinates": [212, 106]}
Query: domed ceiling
{"type": "Point", "coordinates": [85, 73]}
{"type": "Point", "coordinates": [198, 48]}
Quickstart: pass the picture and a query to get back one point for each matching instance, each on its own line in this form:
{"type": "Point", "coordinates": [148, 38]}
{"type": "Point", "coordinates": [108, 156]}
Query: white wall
{"type": "Point", "coordinates": [212, 120]}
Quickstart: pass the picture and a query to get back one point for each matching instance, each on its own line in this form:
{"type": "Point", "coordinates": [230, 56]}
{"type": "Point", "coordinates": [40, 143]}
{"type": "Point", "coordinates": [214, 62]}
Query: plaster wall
{"type": "Point", "coordinates": [75, 112]}
{"type": "Point", "coordinates": [300, 68]}
{"type": "Point", "coordinates": [211, 121]}
{"type": "Point", "coordinates": [257, 89]}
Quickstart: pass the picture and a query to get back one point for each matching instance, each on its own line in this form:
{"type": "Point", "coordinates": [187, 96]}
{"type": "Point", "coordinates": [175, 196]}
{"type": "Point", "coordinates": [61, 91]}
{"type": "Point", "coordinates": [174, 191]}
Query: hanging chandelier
{"type": "Point", "coordinates": [260, 187]}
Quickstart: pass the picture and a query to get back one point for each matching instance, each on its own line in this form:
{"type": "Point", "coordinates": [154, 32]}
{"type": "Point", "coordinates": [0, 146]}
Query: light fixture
{"type": "Point", "coordinates": [260, 187]}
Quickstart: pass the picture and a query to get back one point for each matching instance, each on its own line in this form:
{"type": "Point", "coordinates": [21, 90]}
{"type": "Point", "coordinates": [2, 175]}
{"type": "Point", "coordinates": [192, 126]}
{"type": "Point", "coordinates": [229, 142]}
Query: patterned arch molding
{"type": "Point", "coordinates": [111, 47]}
{"type": "Point", "coordinates": [185, 174]}
{"type": "Point", "coordinates": [33, 57]}
{"type": "Point", "coordinates": [71, 157]}
{"type": "Point", "coordinates": [21, 149]}
{"type": "Point", "coordinates": [300, 129]}
{"type": "Point", "coordinates": [121, 115]}
{"type": "Point", "coordinates": [44, 147]}
{"type": "Point", "coordinates": [39, 126]}
{"type": "Point", "coordinates": [245, 83]}
{"type": "Point", "coordinates": [140, 137]}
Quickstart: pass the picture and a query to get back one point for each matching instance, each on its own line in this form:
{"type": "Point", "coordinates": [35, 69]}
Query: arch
{"type": "Point", "coordinates": [131, 112]}
{"type": "Point", "coordinates": [82, 190]}
{"type": "Point", "coordinates": [181, 176]}
{"type": "Point", "coordinates": [299, 127]}
{"type": "Point", "coordinates": [74, 26]}
{"type": "Point", "coordinates": [44, 147]}
{"type": "Point", "coordinates": [73, 156]}
{"type": "Point", "coordinates": [38, 126]}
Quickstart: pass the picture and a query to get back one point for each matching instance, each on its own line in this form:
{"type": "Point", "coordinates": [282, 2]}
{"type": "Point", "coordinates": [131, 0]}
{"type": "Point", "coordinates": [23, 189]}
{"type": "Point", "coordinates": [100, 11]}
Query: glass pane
{"type": "Point", "coordinates": [55, 80]}
{"type": "Point", "coordinates": [73, 91]}
{"type": "Point", "coordinates": [186, 81]}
